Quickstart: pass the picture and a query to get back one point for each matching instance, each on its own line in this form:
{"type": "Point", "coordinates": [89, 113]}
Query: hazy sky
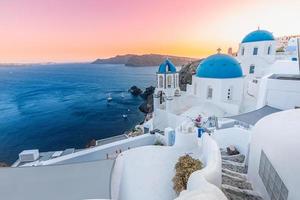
{"type": "Point", "coordinates": [82, 30]}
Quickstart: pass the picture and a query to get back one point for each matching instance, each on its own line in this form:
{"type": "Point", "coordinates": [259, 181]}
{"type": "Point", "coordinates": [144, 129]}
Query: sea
{"type": "Point", "coordinates": [58, 106]}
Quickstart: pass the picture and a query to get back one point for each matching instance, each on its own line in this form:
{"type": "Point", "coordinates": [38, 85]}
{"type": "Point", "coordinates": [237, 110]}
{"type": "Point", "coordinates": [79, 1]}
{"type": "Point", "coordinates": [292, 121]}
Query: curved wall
{"type": "Point", "coordinates": [213, 166]}
{"type": "Point", "coordinates": [278, 136]}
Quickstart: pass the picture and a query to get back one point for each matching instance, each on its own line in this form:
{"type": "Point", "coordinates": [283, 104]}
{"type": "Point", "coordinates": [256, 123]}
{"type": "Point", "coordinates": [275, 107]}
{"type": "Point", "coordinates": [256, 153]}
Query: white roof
{"type": "Point", "coordinates": [32, 151]}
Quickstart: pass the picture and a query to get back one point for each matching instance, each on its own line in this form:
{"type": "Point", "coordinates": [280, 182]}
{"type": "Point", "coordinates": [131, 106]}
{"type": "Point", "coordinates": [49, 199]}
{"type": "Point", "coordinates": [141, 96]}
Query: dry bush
{"type": "Point", "coordinates": [185, 166]}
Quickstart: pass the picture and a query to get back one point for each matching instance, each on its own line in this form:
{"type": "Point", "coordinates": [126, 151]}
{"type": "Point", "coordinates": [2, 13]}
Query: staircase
{"type": "Point", "coordinates": [234, 179]}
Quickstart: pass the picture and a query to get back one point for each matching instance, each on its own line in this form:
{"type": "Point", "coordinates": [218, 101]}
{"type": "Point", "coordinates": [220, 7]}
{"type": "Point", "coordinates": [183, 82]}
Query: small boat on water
{"type": "Point", "coordinates": [109, 98]}
{"type": "Point", "coordinates": [124, 116]}
{"type": "Point", "coordinates": [122, 95]}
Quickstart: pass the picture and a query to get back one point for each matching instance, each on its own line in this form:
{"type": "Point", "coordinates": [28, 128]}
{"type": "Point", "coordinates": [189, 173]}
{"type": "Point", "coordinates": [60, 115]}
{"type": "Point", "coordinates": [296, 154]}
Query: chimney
{"type": "Point", "coordinates": [229, 52]}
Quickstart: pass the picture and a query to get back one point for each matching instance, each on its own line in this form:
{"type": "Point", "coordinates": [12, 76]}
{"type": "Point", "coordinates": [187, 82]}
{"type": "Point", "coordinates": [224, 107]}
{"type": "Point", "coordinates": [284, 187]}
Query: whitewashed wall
{"type": "Point", "coordinates": [262, 61]}
{"type": "Point", "coordinates": [239, 137]}
{"type": "Point", "coordinates": [88, 180]}
{"type": "Point", "coordinates": [100, 152]}
{"type": "Point", "coordinates": [163, 119]}
{"type": "Point", "coordinates": [211, 157]}
{"type": "Point", "coordinates": [284, 67]}
{"type": "Point", "coordinates": [220, 89]}
{"type": "Point", "coordinates": [278, 136]}
{"type": "Point", "coordinates": [283, 94]}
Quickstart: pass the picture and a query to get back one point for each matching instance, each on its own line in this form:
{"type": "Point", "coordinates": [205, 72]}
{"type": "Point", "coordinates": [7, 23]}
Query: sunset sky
{"type": "Point", "coordinates": [83, 30]}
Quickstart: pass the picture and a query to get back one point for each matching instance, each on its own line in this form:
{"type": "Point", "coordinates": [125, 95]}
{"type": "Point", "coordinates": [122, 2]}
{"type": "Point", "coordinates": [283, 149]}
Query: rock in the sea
{"type": "Point", "coordinates": [91, 143]}
{"type": "Point", "coordinates": [147, 106]}
{"type": "Point", "coordinates": [134, 90]}
{"type": "Point", "coordinates": [147, 92]}
{"type": "Point", "coordinates": [3, 164]}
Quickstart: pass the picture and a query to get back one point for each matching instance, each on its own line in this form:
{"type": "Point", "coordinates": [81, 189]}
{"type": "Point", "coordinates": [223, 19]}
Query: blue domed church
{"type": "Point", "coordinates": [256, 52]}
{"type": "Point", "coordinates": [222, 85]}
{"type": "Point", "coordinates": [167, 86]}
{"type": "Point", "coordinates": [219, 80]}
{"type": "Point", "coordinates": [217, 87]}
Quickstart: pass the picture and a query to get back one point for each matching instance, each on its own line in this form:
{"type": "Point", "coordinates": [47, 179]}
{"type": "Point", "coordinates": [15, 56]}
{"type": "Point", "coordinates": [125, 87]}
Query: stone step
{"type": "Point", "coordinates": [234, 166]}
{"type": "Point", "coordinates": [224, 152]}
{"type": "Point", "coordinates": [235, 174]}
{"type": "Point", "coordinates": [234, 193]}
{"type": "Point", "coordinates": [236, 182]}
{"type": "Point", "coordinates": [240, 158]}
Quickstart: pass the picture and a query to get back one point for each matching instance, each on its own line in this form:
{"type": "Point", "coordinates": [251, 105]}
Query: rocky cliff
{"type": "Point", "coordinates": [186, 73]}
{"type": "Point", "coordinates": [143, 60]}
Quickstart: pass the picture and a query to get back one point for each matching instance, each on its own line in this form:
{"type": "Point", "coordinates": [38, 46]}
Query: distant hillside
{"type": "Point", "coordinates": [119, 59]}
{"type": "Point", "coordinates": [143, 60]}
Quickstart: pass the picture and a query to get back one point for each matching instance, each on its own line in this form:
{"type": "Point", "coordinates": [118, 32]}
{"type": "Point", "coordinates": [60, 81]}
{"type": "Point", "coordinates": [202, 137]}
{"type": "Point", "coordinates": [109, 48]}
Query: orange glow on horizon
{"type": "Point", "coordinates": [78, 30]}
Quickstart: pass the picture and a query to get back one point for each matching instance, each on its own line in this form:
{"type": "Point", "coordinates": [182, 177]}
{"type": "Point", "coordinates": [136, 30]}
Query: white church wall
{"type": "Point", "coordinates": [276, 135]}
{"type": "Point", "coordinates": [220, 92]}
{"type": "Point", "coordinates": [189, 89]}
{"type": "Point", "coordinates": [202, 89]}
{"type": "Point", "coordinates": [236, 85]}
{"type": "Point", "coordinates": [262, 48]}
{"type": "Point", "coordinates": [261, 61]}
{"type": "Point", "coordinates": [252, 87]}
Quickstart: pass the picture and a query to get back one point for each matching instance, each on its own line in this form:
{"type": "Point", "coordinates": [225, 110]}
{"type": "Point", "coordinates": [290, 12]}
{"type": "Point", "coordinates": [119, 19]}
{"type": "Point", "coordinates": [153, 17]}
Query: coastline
{"type": "Point", "coordinates": [65, 106]}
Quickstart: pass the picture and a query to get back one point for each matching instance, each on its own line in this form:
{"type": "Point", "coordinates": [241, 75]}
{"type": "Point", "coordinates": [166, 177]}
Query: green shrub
{"type": "Point", "coordinates": [185, 166]}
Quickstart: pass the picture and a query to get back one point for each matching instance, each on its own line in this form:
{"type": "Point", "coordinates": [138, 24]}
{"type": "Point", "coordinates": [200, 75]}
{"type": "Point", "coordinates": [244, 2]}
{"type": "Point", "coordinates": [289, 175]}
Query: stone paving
{"type": "Point", "coordinates": [234, 178]}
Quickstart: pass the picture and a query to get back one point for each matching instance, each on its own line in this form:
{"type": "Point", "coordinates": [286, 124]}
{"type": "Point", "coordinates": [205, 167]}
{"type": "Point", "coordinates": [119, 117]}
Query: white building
{"type": "Point", "coordinates": [167, 89]}
{"type": "Point", "coordinates": [257, 52]}
{"type": "Point", "coordinates": [219, 80]}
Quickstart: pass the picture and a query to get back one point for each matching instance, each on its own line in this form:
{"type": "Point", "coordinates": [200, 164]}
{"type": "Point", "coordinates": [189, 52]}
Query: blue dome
{"type": "Point", "coordinates": [257, 36]}
{"type": "Point", "coordinates": [166, 67]}
{"type": "Point", "coordinates": [219, 66]}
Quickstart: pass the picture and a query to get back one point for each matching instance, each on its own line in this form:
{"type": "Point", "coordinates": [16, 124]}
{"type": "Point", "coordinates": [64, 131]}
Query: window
{"type": "Point", "coordinates": [255, 51]}
{"type": "Point", "coordinates": [269, 50]}
{"type": "Point", "coordinates": [243, 51]}
{"type": "Point", "coordinates": [229, 93]}
{"type": "Point", "coordinates": [169, 81]}
{"type": "Point", "coordinates": [271, 179]}
{"type": "Point", "coordinates": [251, 69]}
{"type": "Point", "coordinates": [209, 92]}
{"type": "Point", "coordinates": [161, 81]}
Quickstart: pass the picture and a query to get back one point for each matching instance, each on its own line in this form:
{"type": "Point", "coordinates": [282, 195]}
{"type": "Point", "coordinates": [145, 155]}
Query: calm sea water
{"type": "Point", "coordinates": [53, 107]}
